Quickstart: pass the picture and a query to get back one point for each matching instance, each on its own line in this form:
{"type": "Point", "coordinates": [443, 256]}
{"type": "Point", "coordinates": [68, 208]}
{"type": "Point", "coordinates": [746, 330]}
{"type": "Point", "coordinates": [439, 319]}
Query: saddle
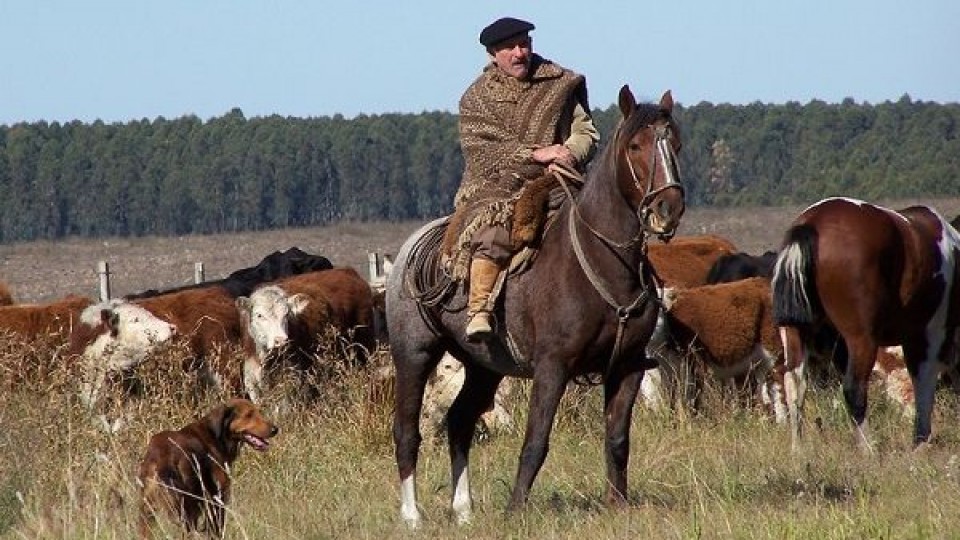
{"type": "Point", "coordinates": [430, 279]}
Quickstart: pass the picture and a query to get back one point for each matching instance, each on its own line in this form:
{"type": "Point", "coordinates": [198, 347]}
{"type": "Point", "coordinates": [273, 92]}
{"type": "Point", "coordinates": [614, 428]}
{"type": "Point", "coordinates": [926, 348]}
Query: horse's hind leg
{"type": "Point", "coordinates": [862, 351]}
{"type": "Point", "coordinates": [475, 397]}
{"type": "Point", "coordinates": [620, 392]}
{"type": "Point", "coordinates": [789, 381]}
{"type": "Point", "coordinates": [924, 370]}
{"type": "Point", "coordinates": [413, 368]}
{"type": "Point", "coordinates": [549, 382]}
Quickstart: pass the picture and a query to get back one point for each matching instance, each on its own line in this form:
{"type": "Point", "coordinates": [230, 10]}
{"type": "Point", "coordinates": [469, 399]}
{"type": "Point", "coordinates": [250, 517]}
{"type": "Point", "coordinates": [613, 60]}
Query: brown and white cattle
{"type": "Point", "coordinates": [32, 338]}
{"type": "Point", "coordinates": [289, 320]}
{"type": "Point", "coordinates": [442, 388]}
{"type": "Point", "coordinates": [205, 319]}
{"type": "Point", "coordinates": [728, 327]}
{"type": "Point", "coordinates": [53, 319]}
{"type": "Point", "coordinates": [683, 262]}
{"type": "Point", "coordinates": [891, 370]}
{"type": "Point", "coordinates": [113, 337]}
{"type": "Point", "coordinates": [686, 260]}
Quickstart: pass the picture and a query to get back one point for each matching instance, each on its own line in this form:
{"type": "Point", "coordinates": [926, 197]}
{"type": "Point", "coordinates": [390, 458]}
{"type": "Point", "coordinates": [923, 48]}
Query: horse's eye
{"type": "Point", "coordinates": [633, 147]}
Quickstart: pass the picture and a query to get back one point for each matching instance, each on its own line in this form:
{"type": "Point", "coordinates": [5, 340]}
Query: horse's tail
{"type": "Point", "coordinates": [794, 288]}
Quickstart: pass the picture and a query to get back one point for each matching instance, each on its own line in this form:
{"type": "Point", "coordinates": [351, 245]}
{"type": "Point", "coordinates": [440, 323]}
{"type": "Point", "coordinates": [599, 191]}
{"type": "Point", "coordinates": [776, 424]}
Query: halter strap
{"type": "Point", "coordinates": [671, 170]}
{"type": "Point", "coordinates": [624, 312]}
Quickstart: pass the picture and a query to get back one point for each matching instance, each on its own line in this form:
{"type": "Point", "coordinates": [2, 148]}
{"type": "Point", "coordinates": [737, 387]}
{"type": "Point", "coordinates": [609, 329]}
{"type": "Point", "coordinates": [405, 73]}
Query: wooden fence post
{"type": "Point", "coordinates": [198, 272]}
{"type": "Point", "coordinates": [374, 266]}
{"type": "Point", "coordinates": [103, 273]}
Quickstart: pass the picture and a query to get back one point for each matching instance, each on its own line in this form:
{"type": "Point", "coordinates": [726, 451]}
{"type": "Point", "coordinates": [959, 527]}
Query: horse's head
{"type": "Point", "coordinates": [648, 174]}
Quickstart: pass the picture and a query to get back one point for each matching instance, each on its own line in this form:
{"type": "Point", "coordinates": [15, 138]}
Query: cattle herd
{"type": "Point", "coordinates": [716, 324]}
{"type": "Point", "coordinates": [209, 320]}
{"type": "Point", "coordinates": [716, 318]}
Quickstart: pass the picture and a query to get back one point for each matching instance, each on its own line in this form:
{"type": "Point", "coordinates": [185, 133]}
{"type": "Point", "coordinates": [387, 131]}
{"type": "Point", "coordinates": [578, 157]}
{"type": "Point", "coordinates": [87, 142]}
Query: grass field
{"type": "Point", "coordinates": [726, 473]}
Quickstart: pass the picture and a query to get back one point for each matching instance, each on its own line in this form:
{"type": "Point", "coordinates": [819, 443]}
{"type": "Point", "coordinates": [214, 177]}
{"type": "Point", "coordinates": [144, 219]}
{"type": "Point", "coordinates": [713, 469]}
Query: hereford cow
{"type": "Point", "coordinates": [442, 388]}
{"type": "Point", "coordinates": [728, 327]}
{"type": "Point", "coordinates": [113, 337]}
{"type": "Point", "coordinates": [289, 320]}
{"type": "Point", "coordinates": [54, 319]}
{"type": "Point", "coordinates": [740, 265]}
{"type": "Point", "coordinates": [205, 319]}
{"type": "Point", "coordinates": [686, 260]}
{"type": "Point", "coordinates": [891, 369]}
{"type": "Point", "coordinates": [32, 337]}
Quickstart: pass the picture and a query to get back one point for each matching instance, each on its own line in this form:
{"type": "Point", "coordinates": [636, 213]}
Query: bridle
{"type": "Point", "coordinates": [664, 151]}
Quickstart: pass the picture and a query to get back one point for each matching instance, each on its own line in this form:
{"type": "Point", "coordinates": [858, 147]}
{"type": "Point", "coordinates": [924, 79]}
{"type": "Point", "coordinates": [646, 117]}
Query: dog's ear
{"type": "Point", "coordinates": [218, 420]}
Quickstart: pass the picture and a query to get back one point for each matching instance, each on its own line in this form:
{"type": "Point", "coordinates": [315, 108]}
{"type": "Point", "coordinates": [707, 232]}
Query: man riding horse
{"type": "Point", "coordinates": [521, 119]}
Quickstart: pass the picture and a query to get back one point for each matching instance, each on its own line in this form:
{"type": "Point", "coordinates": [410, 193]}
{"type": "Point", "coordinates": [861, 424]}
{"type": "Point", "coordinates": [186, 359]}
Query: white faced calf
{"type": "Point", "coordinates": [114, 336]}
{"type": "Point", "coordinates": [267, 314]}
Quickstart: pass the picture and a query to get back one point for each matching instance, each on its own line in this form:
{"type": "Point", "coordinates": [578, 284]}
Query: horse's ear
{"type": "Point", "coordinates": [627, 102]}
{"type": "Point", "coordinates": [666, 101]}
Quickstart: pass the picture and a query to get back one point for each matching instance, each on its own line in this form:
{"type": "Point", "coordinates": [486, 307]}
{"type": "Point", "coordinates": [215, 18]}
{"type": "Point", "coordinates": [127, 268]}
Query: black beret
{"type": "Point", "coordinates": [502, 30]}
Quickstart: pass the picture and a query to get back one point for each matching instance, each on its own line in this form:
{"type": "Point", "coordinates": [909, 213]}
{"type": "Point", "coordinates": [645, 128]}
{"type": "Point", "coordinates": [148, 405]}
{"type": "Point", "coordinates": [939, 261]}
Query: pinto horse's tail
{"type": "Point", "coordinates": [794, 288]}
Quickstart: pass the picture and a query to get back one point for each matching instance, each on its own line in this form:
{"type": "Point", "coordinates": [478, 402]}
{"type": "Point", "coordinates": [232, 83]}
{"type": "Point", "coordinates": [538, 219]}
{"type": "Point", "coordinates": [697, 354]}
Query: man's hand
{"type": "Point", "coordinates": [556, 153]}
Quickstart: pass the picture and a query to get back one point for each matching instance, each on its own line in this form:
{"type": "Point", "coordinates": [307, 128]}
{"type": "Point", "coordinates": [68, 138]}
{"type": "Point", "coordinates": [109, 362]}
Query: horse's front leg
{"type": "Point", "coordinates": [475, 396]}
{"type": "Point", "coordinates": [620, 393]}
{"type": "Point", "coordinates": [549, 381]}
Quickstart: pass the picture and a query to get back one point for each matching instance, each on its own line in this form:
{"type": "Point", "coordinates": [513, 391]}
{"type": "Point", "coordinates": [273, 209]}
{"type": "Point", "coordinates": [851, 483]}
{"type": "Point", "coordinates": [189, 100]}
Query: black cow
{"type": "Point", "coordinates": [737, 266]}
{"type": "Point", "coordinates": [242, 282]}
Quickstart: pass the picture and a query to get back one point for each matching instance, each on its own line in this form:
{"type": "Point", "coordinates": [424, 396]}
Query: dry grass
{"type": "Point", "coordinates": [331, 474]}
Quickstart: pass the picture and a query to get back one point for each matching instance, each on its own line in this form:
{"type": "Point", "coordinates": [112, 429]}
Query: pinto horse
{"type": "Point", "coordinates": [586, 306]}
{"type": "Point", "coordinates": [871, 277]}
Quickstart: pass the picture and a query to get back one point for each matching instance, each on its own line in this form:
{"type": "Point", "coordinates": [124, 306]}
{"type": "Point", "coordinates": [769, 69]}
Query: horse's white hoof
{"type": "Point", "coordinates": [413, 523]}
{"type": "Point", "coordinates": [411, 517]}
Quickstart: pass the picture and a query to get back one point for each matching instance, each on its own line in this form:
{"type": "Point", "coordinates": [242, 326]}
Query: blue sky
{"type": "Point", "coordinates": [121, 60]}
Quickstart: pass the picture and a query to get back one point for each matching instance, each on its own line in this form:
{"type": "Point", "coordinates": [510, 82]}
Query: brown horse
{"type": "Point", "coordinates": [871, 277]}
{"type": "Point", "coordinates": [586, 306]}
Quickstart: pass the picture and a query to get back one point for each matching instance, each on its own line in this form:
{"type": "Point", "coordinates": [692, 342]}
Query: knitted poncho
{"type": "Point", "coordinates": [502, 120]}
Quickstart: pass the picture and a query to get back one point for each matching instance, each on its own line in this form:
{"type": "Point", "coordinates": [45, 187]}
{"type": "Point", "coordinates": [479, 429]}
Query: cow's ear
{"type": "Point", "coordinates": [298, 303]}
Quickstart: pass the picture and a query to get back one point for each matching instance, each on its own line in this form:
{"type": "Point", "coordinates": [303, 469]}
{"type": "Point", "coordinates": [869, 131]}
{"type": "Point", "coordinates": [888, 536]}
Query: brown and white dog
{"type": "Point", "coordinates": [185, 474]}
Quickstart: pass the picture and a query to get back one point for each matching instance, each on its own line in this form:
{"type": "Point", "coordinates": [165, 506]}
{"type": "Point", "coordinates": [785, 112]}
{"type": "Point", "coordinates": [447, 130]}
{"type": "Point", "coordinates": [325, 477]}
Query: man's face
{"type": "Point", "coordinates": [513, 55]}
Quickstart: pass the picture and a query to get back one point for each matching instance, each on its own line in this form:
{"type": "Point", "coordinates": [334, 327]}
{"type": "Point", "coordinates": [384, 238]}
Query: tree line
{"type": "Point", "coordinates": [230, 173]}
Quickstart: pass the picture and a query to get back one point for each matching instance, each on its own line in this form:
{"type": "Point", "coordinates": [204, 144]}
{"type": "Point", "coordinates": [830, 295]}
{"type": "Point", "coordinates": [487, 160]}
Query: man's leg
{"type": "Point", "coordinates": [491, 254]}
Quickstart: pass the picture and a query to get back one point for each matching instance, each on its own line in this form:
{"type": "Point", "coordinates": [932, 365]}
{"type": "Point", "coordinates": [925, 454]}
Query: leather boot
{"type": "Point", "coordinates": [483, 276]}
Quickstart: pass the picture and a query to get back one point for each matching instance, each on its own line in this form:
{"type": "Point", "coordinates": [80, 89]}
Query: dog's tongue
{"type": "Point", "coordinates": [256, 442]}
